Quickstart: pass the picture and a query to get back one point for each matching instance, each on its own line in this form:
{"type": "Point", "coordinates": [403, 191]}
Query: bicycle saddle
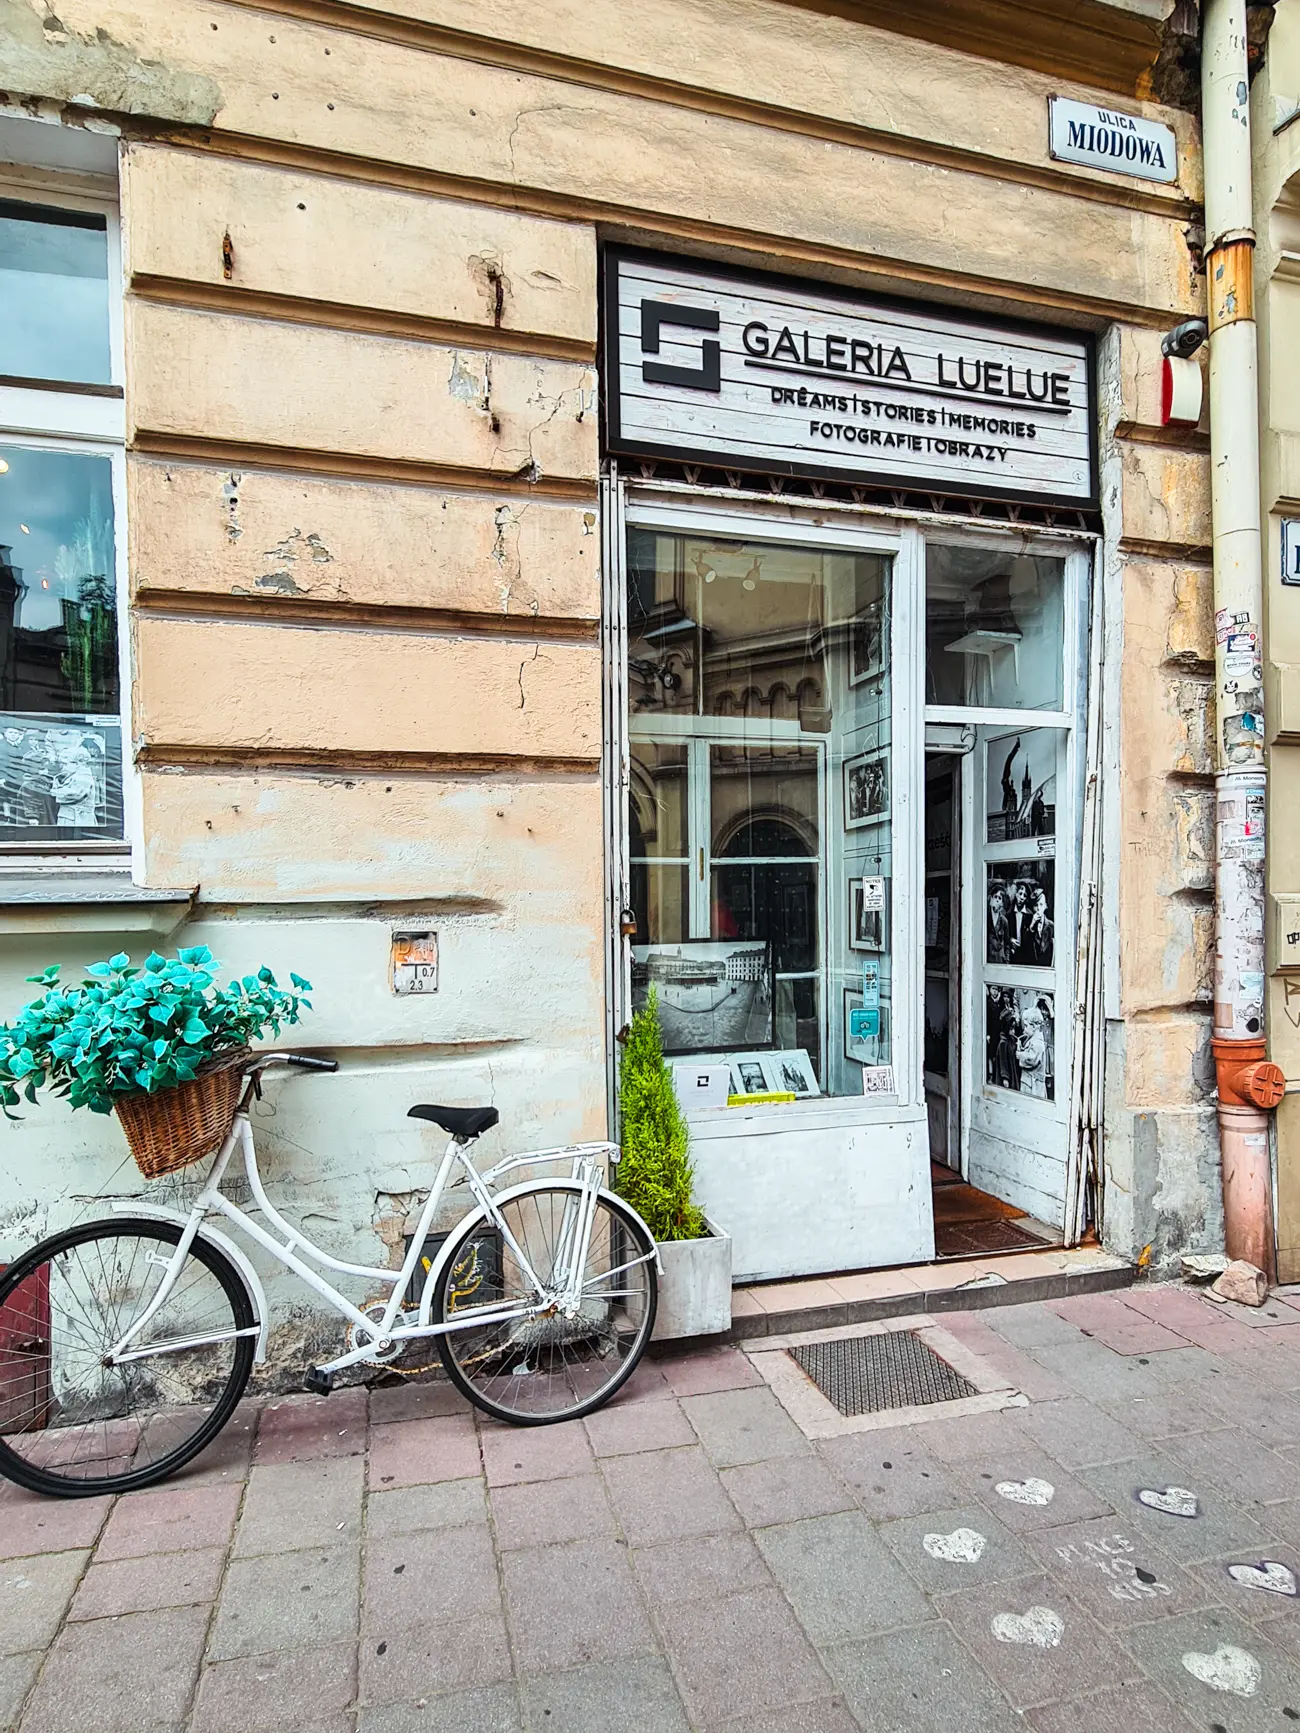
{"type": "Point", "coordinates": [459, 1122]}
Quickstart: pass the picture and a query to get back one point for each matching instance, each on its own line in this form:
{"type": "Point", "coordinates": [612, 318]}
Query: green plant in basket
{"type": "Point", "coordinates": [126, 1030]}
{"type": "Point", "coordinates": [655, 1174]}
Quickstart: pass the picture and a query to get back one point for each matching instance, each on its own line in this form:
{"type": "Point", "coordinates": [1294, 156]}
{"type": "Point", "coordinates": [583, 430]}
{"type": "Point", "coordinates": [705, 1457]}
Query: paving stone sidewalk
{"type": "Point", "coordinates": [688, 1559]}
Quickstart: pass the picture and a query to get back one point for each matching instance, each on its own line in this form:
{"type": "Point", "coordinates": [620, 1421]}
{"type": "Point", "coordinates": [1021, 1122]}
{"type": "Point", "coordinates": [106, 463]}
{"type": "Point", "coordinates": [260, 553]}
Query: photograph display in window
{"type": "Point", "coordinates": [60, 778]}
{"type": "Point", "coordinates": [1020, 1040]}
{"type": "Point", "coordinates": [1021, 900]}
{"type": "Point", "coordinates": [787, 1073]}
{"type": "Point", "coordinates": [866, 789]}
{"type": "Point", "coordinates": [60, 733]}
{"type": "Point", "coordinates": [755, 669]}
{"type": "Point", "coordinates": [868, 915]}
{"type": "Point", "coordinates": [868, 643]}
{"type": "Point", "coordinates": [715, 995]}
{"type": "Point", "coordinates": [1021, 785]}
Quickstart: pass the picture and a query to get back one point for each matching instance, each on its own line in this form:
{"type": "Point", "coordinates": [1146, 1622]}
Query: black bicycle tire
{"type": "Point", "coordinates": [15, 1468]}
{"type": "Point", "coordinates": [438, 1314]}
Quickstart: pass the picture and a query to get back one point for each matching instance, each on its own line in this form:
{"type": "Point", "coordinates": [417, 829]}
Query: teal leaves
{"type": "Point", "coordinates": [125, 1029]}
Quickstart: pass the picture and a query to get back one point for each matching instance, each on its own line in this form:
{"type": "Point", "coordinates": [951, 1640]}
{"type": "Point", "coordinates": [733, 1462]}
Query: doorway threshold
{"type": "Point", "coordinates": [970, 1223]}
{"type": "Point", "coordinates": [1006, 1279]}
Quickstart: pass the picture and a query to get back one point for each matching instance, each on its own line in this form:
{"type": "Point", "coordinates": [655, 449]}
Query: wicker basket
{"type": "Point", "coordinates": [174, 1127]}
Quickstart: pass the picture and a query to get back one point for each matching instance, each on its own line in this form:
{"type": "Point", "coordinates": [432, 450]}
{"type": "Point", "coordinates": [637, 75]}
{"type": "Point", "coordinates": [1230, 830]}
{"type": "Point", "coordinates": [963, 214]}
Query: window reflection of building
{"type": "Point", "coordinates": [782, 653]}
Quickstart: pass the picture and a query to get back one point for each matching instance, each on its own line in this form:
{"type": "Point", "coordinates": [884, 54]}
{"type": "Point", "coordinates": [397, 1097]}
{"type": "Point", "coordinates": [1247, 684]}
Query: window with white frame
{"type": "Point", "coordinates": [760, 814]}
{"type": "Point", "coordinates": [61, 436]}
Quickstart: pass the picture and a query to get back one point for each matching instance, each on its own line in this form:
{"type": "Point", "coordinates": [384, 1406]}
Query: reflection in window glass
{"type": "Point", "coordinates": [53, 294]}
{"type": "Point", "coordinates": [60, 742]}
{"type": "Point", "coordinates": [994, 628]}
{"type": "Point", "coordinates": [760, 842]}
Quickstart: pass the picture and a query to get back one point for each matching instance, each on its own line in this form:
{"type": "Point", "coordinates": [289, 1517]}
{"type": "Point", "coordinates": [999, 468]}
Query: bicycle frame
{"type": "Point", "coordinates": [564, 1295]}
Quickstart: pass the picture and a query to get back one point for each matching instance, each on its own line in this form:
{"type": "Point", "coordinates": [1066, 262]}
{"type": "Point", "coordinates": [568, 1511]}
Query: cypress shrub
{"type": "Point", "coordinates": [656, 1173]}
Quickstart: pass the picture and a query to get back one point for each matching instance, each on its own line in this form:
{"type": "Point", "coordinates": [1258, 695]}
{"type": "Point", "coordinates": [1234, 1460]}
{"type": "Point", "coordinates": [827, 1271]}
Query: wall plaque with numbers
{"type": "Point", "coordinates": [415, 962]}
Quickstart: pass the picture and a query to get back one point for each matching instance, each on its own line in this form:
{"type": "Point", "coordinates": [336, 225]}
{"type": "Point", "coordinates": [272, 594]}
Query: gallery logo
{"type": "Point", "coordinates": [708, 375]}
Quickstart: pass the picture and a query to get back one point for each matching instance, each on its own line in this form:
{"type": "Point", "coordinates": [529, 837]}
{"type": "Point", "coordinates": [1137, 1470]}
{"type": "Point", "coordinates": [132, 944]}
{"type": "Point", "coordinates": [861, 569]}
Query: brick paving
{"type": "Point", "coordinates": [688, 1559]}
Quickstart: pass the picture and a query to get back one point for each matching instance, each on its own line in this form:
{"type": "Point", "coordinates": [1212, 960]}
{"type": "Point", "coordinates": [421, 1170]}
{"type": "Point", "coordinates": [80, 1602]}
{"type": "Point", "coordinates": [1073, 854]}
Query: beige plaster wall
{"type": "Point", "coordinates": [361, 398]}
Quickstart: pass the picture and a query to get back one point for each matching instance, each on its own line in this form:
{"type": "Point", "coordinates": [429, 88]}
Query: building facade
{"type": "Point", "coordinates": [608, 497]}
{"type": "Point", "coordinates": [1274, 110]}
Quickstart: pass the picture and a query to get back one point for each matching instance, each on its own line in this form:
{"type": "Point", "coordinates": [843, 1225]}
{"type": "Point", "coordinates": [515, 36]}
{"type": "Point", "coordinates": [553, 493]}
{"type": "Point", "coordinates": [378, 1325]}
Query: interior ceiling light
{"type": "Point", "coordinates": [24, 529]}
{"type": "Point", "coordinates": [4, 467]}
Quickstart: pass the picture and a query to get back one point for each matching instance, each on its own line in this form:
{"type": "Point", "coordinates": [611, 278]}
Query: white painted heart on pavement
{"type": "Point", "coordinates": [1026, 1491]}
{"type": "Point", "coordinates": [1227, 1669]}
{"type": "Point", "coordinates": [964, 1546]}
{"type": "Point", "coordinates": [1273, 1578]}
{"type": "Point", "coordinates": [1039, 1626]}
{"type": "Point", "coordinates": [1174, 1501]}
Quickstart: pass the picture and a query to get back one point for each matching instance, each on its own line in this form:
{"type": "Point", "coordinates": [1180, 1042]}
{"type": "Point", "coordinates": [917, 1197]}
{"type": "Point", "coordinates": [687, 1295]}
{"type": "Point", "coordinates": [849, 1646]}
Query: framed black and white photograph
{"type": "Point", "coordinates": [867, 644]}
{"type": "Point", "coordinates": [749, 1077]}
{"type": "Point", "coordinates": [868, 914]}
{"type": "Point", "coordinates": [1020, 785]}
{"type": "Point", "coordinates": [60, 777]}
{"type": "Point", "coordinates": [1021, 918]}
{"type": "Point", "coordinates": [792, 1072]}
{"type": "Point", "coordinates": [866, 789]}
{"type": "Point", "coordinates": [1020, 1040]}
{"type": "Point", "coordinates": [714, 995]}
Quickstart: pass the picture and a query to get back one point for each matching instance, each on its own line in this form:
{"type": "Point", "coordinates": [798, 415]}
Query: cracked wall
{"type": "Point", "coordinates": [363, 541]}
{"type": "Point", "coordinates": [1163, 1191]}
{"type": "Point", "coordinates": [44, 56]}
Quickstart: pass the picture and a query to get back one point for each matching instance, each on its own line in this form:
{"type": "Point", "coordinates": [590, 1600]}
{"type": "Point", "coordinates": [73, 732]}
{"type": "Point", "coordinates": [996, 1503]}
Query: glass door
{"type": "Point", "coordinates": [761, 768]}
{"type": "Point", "coordinates": [1003, 653]}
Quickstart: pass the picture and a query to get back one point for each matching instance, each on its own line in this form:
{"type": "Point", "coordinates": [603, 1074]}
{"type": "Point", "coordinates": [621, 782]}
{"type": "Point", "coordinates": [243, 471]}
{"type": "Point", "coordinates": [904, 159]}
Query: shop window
{"type": "Point", "coordinates": [61, 766]}
{"type": "Point", "coordinates": [760, 806]}
{"type": "Point", "coordinates": [54, 291]}
{"type": "Point", "coordinates": [994, 628]}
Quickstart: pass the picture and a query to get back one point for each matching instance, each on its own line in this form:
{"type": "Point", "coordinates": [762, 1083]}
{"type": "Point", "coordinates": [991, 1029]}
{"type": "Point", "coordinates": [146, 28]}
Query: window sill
{"type": "Point", "coordinates": [816, 1113]}
{"type": "Point", "coordinates": [100, 901]}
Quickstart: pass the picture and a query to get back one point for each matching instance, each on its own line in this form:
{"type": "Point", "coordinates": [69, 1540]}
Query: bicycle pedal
{"type": "Point", "coordinates": [318, 1382]}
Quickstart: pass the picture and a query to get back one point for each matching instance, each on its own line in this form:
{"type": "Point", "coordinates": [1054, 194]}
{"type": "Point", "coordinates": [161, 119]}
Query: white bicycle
{"type": "Point", "coordinates": [126, 1343]}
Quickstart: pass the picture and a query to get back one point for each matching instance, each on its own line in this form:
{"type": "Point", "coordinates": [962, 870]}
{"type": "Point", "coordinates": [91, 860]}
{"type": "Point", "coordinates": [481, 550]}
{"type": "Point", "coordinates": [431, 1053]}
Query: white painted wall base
{"type": "Point", "coordinates": [695, 1287]}
{"type": "Point", "coordinates": [816, 1186]}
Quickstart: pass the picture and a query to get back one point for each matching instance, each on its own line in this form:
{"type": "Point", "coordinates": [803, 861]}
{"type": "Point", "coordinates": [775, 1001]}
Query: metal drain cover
{"type": "Point", "coordinates": [895, 1369]}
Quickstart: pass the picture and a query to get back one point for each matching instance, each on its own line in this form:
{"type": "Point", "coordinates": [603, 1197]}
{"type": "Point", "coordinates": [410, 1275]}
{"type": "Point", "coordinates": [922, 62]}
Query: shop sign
{"type": "Point", "coordinates": [769, 374]}
{"type": "Point", "coordinates": [1103, 138]}
{"type": "Point", "coordinates": [1291, 550]}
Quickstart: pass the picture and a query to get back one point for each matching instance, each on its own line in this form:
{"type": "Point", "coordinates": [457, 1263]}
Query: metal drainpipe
{"type": "Point", "coordinates": [1248, 1084]}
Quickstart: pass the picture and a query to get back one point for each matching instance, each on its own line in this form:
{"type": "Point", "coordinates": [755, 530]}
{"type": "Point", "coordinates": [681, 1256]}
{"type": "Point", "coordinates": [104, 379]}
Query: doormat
{"type": "Point", "coordinates": [971, 1239]}
{"type": "Point", "coordinates": [865, 1374]}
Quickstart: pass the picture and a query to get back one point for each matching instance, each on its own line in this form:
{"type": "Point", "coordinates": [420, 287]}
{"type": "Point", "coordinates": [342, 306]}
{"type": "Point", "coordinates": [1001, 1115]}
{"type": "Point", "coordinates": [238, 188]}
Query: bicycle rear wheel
{"type": "Point", "coordinates": [72, 1421]}
{"type": "Point", "coordinates": [543, 1366]}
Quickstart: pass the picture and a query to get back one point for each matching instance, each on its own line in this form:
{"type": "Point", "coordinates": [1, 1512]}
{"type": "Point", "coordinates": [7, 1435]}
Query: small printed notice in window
{"type": "Point", "coordinates": [877, 1079]}
{"type": "Point", "coordinates": [415, 963]}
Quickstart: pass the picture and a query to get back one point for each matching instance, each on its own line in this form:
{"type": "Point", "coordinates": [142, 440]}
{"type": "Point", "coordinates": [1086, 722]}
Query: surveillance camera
{"type": "Point", "coordinates": [1184, 340]}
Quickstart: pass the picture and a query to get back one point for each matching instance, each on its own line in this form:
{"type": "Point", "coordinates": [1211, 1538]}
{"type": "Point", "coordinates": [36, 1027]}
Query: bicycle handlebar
{"type": "Point", "coordinates": [304, 1060]}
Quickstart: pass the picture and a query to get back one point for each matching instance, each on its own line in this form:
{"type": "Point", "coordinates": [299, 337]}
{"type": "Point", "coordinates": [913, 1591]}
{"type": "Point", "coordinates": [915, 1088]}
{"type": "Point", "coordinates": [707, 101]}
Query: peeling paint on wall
{"type": "Point", "coordinates": [40, 57]}
{"type": "Point", "coordinates": [492, 283]}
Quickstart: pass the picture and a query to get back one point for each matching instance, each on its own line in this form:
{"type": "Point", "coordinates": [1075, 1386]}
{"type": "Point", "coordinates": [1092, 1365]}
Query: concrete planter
{"type": "Point", "coordinates": [695, 1287]}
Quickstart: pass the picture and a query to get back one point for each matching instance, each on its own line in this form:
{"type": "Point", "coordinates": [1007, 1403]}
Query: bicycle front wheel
{"type": "Point", "coordinates": [78, 1419]}
{"type": "Point", "coordinates": [540, 1365]}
